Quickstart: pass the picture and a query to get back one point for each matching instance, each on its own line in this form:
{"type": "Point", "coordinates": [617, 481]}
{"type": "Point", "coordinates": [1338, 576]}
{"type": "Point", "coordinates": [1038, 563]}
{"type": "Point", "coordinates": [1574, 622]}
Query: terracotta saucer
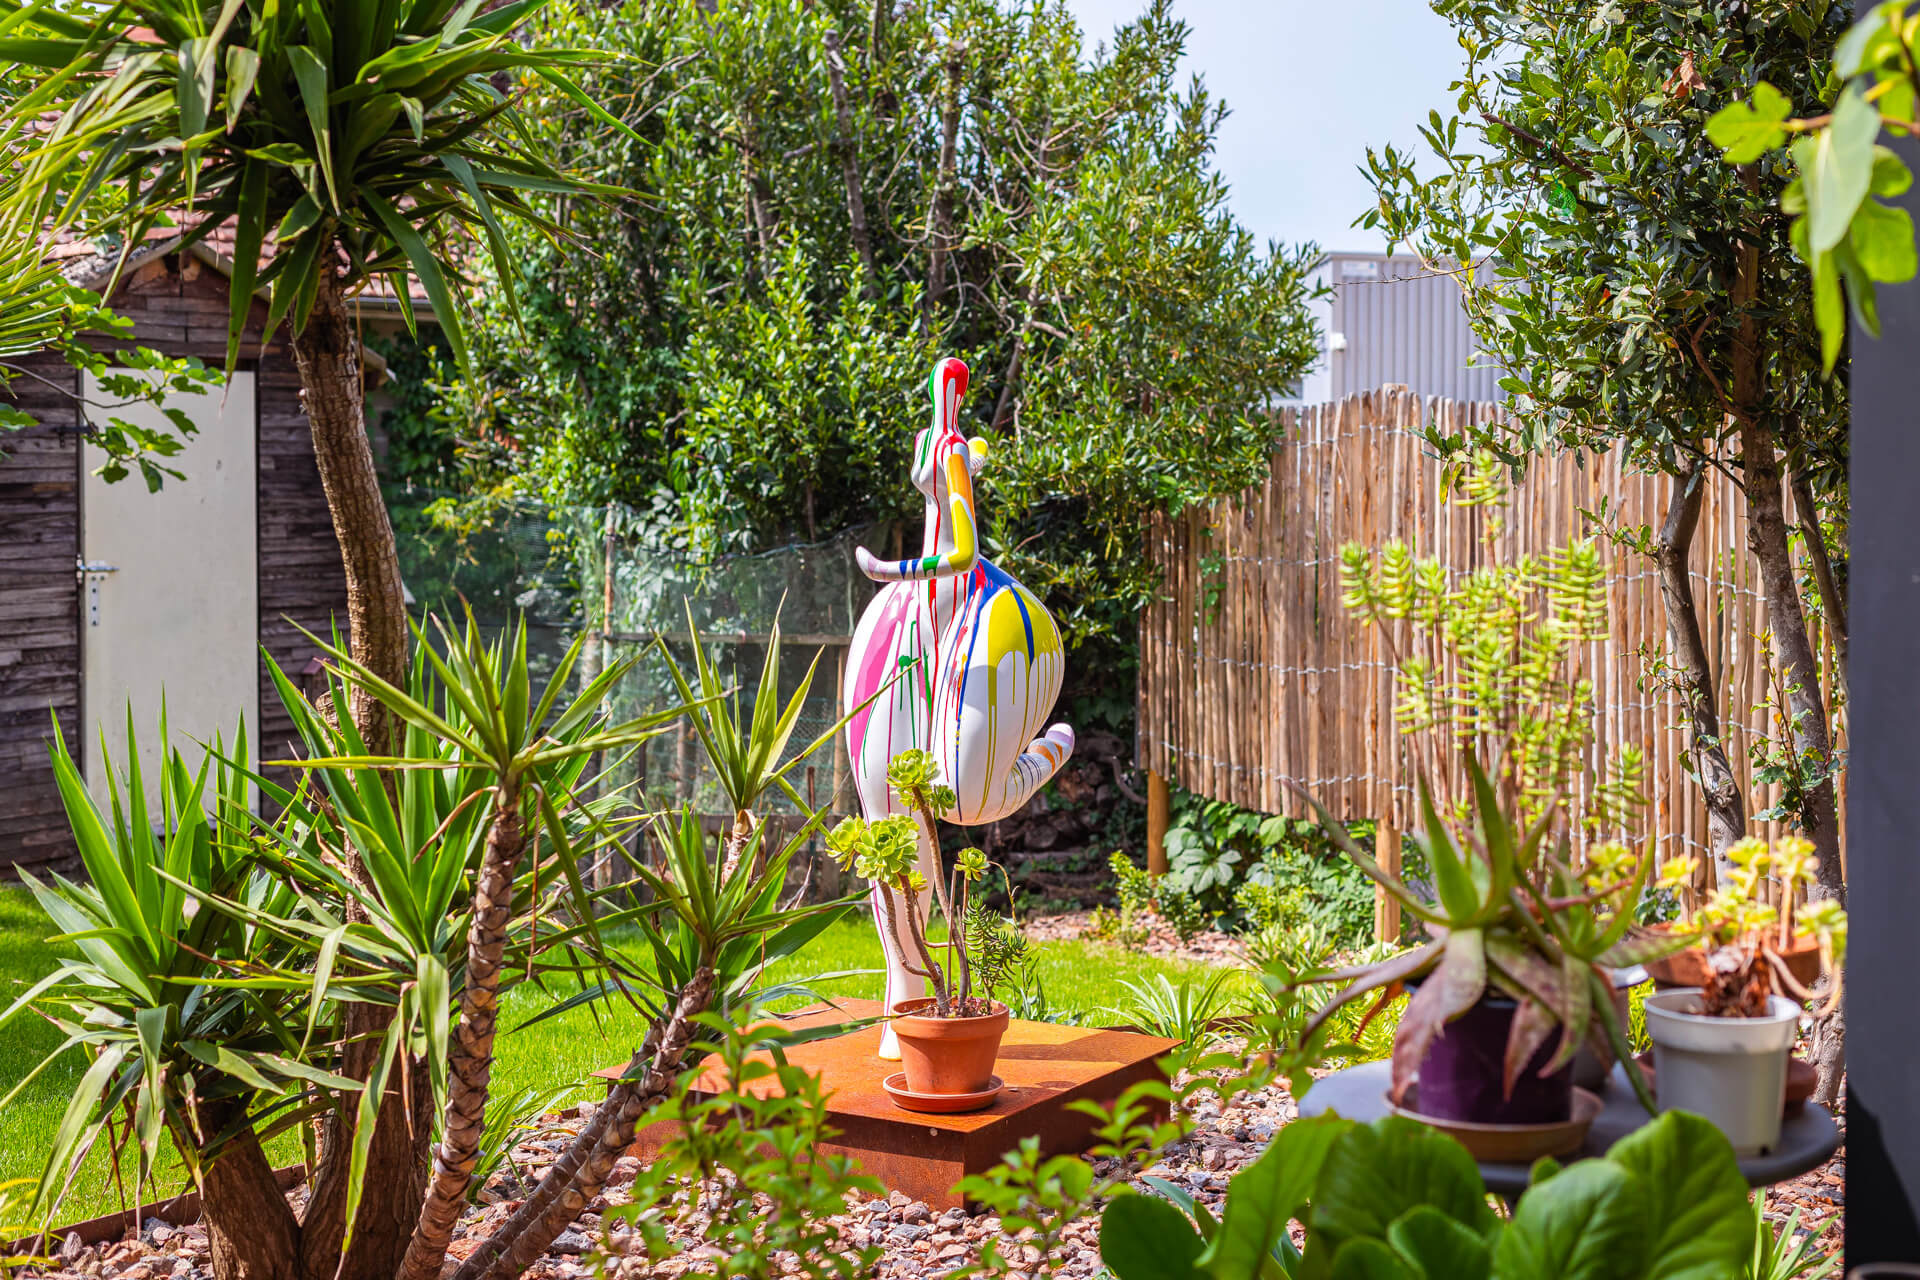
{"type": "Point", "coordinates": [907, 1099]}
{"type": "Point", "coordinates": [1513, 1143]}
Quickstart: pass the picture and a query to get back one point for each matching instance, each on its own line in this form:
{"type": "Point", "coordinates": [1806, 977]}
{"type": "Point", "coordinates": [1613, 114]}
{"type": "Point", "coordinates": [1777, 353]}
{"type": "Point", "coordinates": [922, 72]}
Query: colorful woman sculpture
{"type": "Point", "coordinates": [980, 661]}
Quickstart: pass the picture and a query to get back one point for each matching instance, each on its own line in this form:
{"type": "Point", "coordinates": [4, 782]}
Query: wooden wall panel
{"type": "Point", "coordinates": [178, 304]}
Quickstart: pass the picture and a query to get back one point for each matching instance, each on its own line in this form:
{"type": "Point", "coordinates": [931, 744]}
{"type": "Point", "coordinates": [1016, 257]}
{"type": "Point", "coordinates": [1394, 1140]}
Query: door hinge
{"type": "Point", "coordinates": [93, 573]}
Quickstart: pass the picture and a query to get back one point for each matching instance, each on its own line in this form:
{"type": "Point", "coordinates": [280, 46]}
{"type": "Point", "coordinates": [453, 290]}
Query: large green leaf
{"type": "Point", "coordinates": [1143, 1237]}
{"type": "Point", "coordinates": [1837, 167]}
{"type": "Point", "coordinates": [1695, 1217]}
{"type": "Point", "coordinates": [1586, 1223]}
{"type": "Point", "coordinates": [1375, 1173]}
{"type": "Point", "coordinates": [1438, 1247]}
{"type": "Point", "coordinates": [1268, 1194]}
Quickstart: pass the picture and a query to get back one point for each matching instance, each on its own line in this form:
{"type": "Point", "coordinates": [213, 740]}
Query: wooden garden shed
{"type": "Point", "coordinates": [113, 597]}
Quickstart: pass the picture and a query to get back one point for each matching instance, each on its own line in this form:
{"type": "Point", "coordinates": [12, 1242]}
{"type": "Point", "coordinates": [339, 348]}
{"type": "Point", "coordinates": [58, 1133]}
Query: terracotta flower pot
{"type": "Point", "coordinates": [1688, 968]}
{"type": "Point", "coordinates": [947, 1055]}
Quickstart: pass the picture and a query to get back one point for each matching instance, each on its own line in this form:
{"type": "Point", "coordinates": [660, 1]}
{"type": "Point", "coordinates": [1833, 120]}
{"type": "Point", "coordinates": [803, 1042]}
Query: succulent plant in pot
{"type": "Point", "coordinates": [948, 1040]}
{"type": "Point", "coordinates": [1515, 978]}
{"type": "Point", "coordinates": [1722, 1049]}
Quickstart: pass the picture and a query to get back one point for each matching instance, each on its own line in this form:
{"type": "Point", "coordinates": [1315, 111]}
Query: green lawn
{"type": "Point", "coordinates": [559, 1052]}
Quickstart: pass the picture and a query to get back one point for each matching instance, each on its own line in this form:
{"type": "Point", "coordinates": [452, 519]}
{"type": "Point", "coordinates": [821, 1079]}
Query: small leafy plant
{"type": "Point", "coordinates": [886, 852]}
{"type": "Point", "coordinates": [1748, 936]}
{"type": "Point", "coordinates": [1396, 1200]}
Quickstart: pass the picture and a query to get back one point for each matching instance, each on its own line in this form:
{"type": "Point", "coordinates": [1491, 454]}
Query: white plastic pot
{"type": "Point", "coordinates": [1733, 1071]}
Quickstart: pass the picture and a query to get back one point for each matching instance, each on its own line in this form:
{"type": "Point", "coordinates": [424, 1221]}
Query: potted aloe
{"type": "Point", "coordinates": [1516, 977]}
{"type": "Point", "coordinates": [950, 1039]}
{"type": "Point", "coordinates": [1722, 1049]}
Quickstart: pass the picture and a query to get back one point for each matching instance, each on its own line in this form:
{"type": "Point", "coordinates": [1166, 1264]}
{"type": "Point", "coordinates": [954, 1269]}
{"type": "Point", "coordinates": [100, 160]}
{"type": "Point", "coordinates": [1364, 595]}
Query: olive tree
{"type": "Point", "coordinates": [1641, 295]}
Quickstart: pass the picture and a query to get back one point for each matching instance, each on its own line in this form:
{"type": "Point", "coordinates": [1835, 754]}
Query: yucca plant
{"type": "Point", "coordinates": [510, 758]}
{"type": "Point", "coordinates": [746, 753]}
{"type": "Point", "coordinates": [179, 1008]}
{"type": "Point", "coordinates": [719, 926]}
{"type": "Point", "coordinates": [40, 310]}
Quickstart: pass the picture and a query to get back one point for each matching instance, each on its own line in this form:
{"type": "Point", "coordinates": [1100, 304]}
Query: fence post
{"type": "Point", "coordinates": [1158, 804]}
{"type": "Point", "coordinates": [1386, 908]}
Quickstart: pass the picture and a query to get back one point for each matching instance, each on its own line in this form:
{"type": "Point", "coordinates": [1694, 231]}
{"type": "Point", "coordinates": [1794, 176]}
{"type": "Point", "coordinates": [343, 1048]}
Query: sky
{"type": "Point", "coordinates": [1311, 85]}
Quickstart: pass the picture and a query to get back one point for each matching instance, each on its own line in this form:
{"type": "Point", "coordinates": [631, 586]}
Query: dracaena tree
{"type": "Point", "coordinates": [345, 142]}
{"type": "Point", "coordinates": [41, 310]}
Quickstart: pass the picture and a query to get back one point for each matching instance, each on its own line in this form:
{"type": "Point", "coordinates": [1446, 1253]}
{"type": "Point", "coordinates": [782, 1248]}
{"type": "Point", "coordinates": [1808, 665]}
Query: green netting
{"type": "Point", "coordinates": [568, 570]}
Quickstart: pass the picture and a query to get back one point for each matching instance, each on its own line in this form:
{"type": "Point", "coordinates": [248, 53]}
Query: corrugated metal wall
{"type": "Point", "coordinates": [1402, 323]}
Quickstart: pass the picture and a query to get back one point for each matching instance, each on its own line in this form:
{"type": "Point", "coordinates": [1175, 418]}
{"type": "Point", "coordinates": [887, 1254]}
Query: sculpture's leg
{"type": "Point", "coordinates": [896, 944]}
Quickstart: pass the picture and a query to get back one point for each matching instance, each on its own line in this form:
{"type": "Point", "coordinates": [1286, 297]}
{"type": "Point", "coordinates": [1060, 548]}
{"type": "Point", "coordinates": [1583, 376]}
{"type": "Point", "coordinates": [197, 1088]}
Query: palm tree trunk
{"type": "Point", "coordinates": [250, 1230]}
{"type": "Point", "coordinates": [327, 353]}
{"type": "Point", "coordinates": [582, 1169]}
{"type": "Point", "coordinates": [470, 1057]}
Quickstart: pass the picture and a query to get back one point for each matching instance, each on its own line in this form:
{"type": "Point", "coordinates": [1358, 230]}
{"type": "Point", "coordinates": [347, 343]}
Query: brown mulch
{"type": "Point", "coordinates": [1209, 946]}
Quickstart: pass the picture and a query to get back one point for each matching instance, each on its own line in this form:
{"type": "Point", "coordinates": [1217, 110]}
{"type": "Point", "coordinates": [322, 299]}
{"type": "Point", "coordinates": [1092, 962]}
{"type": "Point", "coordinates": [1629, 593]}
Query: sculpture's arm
{"type": "Point", "coordinates": [966, 542]}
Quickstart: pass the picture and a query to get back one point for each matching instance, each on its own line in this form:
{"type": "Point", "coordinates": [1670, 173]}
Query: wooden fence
{"type": "Point", "coordinates": [1253, 675]}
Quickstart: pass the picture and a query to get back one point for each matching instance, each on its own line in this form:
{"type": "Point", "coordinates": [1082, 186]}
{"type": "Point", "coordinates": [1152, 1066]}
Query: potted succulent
{"type": "Point", "coordinates": [949, 1039]}
{"type": "Point", "coordinates": [1516, 977]}
{"type": "Point", "coordinates": [1722, 1049]}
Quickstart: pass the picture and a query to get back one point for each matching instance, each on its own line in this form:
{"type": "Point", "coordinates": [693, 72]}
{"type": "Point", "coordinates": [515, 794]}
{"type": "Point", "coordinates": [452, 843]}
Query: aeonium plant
{"type": "Point", "coordinates": [1509, 916]}
{"type": "Point", "coordinates": [1747, 936]}
{"type": "Point", "coordinates": [886, 852]}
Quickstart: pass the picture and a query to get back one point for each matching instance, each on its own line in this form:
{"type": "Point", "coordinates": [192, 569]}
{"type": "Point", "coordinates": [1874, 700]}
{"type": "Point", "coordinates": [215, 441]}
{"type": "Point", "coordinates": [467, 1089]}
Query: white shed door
{"type": "Point", "coordinates": [176, 616]}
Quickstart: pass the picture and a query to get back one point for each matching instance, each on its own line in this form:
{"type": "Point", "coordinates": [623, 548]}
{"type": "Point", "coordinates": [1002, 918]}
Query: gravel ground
{"type": "Point", "coordinates": [915, 1239]}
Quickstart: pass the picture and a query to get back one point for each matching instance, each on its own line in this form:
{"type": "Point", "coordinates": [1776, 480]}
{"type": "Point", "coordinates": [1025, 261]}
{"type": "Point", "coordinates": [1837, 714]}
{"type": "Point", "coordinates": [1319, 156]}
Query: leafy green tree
{"type": "Point", "coordinates": [832, 194]}
{"type": "Point", "coordinates": [40, 310]}
{"type": "Point", "coordinates": [1641, 295]}
{"type": "Point", "coordinates": [1841, 230]}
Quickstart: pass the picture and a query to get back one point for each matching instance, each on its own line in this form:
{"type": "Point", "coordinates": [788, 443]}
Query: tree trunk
{"type": "Point", "coordinates": [470, 1056]}
{"type": "Point", "coordinates": [940, 232]}
{"type": "Point", "coordinates": [1806, 707]}
{"type": "Point", "coordinates": [250, 1230]}
{"type": "Point", "coordinates": [1726, 808]}
{"type": "Point", "coordinates": [582, 1169]}
{"type": "Point", "coordinates": [1833, 589]}
{"type": "Point", "coordinates": [849, 171]}
{"type": "Point", "coordinates": [395, 1183]}
{"type": "Point", "coordinates": [327, 353]}
{"type": "Point", "coordinates": [1793, 653]}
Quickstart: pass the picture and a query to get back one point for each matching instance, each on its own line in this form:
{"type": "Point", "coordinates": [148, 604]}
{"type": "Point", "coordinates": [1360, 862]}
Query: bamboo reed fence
{"type": "Point", "coordinates": [1253, 675]}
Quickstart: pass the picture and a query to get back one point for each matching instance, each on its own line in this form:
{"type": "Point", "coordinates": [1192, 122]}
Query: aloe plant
{"type": "Point", "coordinates": [1510, 916]}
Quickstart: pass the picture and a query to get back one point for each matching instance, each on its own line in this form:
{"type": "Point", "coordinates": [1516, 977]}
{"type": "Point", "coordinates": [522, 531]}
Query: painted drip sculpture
{"type": "Point", "coordinates": [982, 663]}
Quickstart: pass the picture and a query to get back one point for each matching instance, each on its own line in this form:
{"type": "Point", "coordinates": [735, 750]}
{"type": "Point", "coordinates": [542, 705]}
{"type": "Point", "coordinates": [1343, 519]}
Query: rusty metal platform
{"type": "Point", "coordinates": [1045, 1066]}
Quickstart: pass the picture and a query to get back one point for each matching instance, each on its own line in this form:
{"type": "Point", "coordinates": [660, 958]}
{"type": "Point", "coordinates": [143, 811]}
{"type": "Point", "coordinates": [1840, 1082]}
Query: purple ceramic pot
{"type": "Point", "coordinates": [1460, 1076]}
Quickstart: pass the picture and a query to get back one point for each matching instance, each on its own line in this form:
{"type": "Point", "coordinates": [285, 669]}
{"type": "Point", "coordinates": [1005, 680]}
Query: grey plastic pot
{"type": "Point", "coordinates": [1733, 1071]}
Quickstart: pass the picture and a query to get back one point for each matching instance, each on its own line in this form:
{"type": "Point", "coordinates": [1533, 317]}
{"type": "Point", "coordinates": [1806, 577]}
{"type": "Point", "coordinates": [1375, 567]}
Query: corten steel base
{"type": "Point", "coordinates": [1045, 1067]}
